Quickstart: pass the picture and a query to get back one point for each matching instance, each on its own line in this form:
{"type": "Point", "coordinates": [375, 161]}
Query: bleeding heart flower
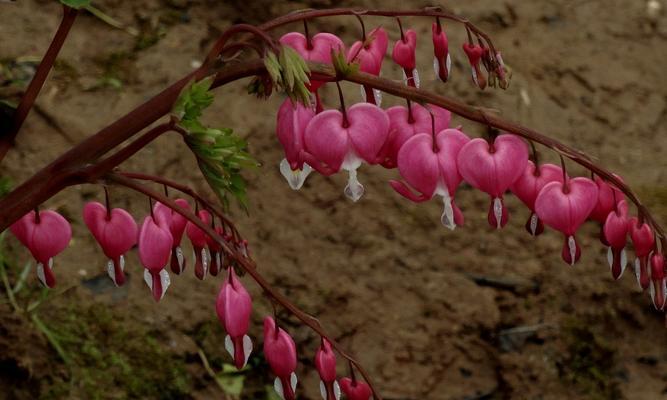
{"type": "Point", "coordinates": [215, 251]}
{"type": "Point", "coordinates": [442, 61]}
{"type": "Point", "coordinates": [528, 186]}
{"type": "Point", "coordinates": [404, 55]}
{"type": "Point", "coordinates": [564, 206]}
{"type": "Point", "coordinates": [369, 55]}
{"type": "Point", "coordinates": [280, 353]}
{"type": "Point", "coordinates": [502, 72]}
{"type": "Point", "coordinates": [615, 230]}
{"type": "Point", "coordinates": [403, 125]}
{"type": "Point", "coordinates": [355, 390]}
{"type": "Point", "coordinates": [608, 197]}
{"type": "Point", "coordinates": [199, 241]}
{"type": "Point", "coordinates": [234, 307]}
{"type": "Point", "coordinates": [339, 140]}
{"type": "Point", "coordinates": [493, 168]}
{"type": "Point", "coordinates": [325, 362]}
{"type": "Point", "coordinates": [658, 288]}
{"type": "Point", "coordinates": [290, 127]}
{"type": "Point", "coordinates": [176, 224]}
{"type": "Point", "coordinates": [475, 53]}
{"type": "Point", "coordinates": [116, 232]}
{"type": "Point", "coordinates": [155, 244]}
{"type": "Point", "coordinates": [643, 241]}
{"type": "Point", "coordinates": [318, 49]}
{"type": "Point", "coordinates": [45, 234]}
{"type": "Point", "coordinates": [432, 170]}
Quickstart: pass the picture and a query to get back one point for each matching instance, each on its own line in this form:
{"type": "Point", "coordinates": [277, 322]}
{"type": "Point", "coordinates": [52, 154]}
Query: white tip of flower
{"type": "Point", "coordinates": [336, 389]}
{"type": "Point", "coordinates": [638, 272]}
{"type": "Point", "coordinates": [294, 178]}
{"type": "Point", "coordinates": [165, 280]}
{"type": "Point", "coordinates": [148, 279]}
{"type": "Point", "coordinates": [572, 246]}
{"type": "Point", "coordinates": [40, 272]}
{"type": "Point", "coordinates": [449, 65]}
{"type": "Point", "coordinates": [229, 345]}
{"type": "Point", "coordinates": [354, 190]}
{"type": "Point", "coordinates": [323, 391]}
{"type": "Point", "coordinates": [293, 381]}
{"type": "Point", "coordinates": [111, 270]}
{"type": "Point", "coordinates": [533, 224]}
{"type": "Point", "coordinates": [415, 75]}
{"type": "Point", "coordinates": [436, 67]}
{"type": "Point", "coordinates": [378, 97]}
{"type": "Point", "coordinates": [205, 261]}
{"type": "Point", "coordinates": [610, 257]}
{"type": "Point", "coordinates": [278, 387]}
{"type": "Point", "coordinates": [247, 348]}
{"type": "Point", "coordinates": [651, 290]}
{"type": "Point", "coordinates": [474, 76]}
{"type": "Point", "coordinates": [498, 212]}
{"type": "Point", "coordinates": [624, 262]}
{"type": "Point", "coordinates": [181, 258]}
{"type": "Point", "coordinates": [447, 218]}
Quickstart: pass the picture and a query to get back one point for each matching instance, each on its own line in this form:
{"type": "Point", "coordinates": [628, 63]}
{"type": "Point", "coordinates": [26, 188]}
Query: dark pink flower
{"type": "Point", "coordinates": [199, 241]}
{"type": "Point", "coordinates": [325, 362]}
{"type": "Point", "coordinates": [280, 353]}
{"type": "Point", "coordinates": [564, 206]}
{"type": "Point", "coordinates": [290, 128]}
{"type": "Point", "coordinates": [615, 230]}
{"type": "Point", "coordinates": [442, 61]}
{"type": "Point", "coordinates": [318, 49]}
{"type": "Point", "coordinates": [432, 170]}
{"type": "Point", "coordinates": [234, 307]}
{"type": "Point", "coordinates": [176, 224]}
{"type": "Point", "coordinates": [154, 251]}
{"type": "Point", "coordinates": [404, 55]}
{"type": "Point", "coordinates": [658, 288]}
{"type": "Point", "coordinates": [45, 234]}
{"type": "Point", "coordinates": [355, 390]}
{"type": "Point", "coordinates": [215, 251]}
{"type": "Point", "coordinates": [528, 186]}
{"type": "Point", "coordinates": [116, 232]}
{"type": "Point", "coordinates": [369, 55]}
{"type": "Point", "coordinates": [643, 241]}
{"type": "Point", "coordinates": [475, 53]}
{"type": "Point", "coordinates": [608, 197]}
{"type": "Point", "coordinates": [493, 168]}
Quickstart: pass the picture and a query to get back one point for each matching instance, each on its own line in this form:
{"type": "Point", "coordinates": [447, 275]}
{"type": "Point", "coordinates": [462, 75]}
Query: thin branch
{"type": "Point", "coordinates": [247, 265]}
{"type": "Point", "coordinates": [30, 95]}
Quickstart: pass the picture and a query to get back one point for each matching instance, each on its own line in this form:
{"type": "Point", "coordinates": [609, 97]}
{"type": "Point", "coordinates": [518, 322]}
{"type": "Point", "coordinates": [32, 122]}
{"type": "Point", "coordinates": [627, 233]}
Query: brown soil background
{"type": "Point", "coordinates": [381, 275]}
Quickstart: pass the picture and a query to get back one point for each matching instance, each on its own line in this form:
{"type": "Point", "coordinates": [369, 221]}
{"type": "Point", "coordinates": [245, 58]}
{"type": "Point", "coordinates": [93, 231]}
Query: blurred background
{"type": "Point", "coordinates": [432, 314]}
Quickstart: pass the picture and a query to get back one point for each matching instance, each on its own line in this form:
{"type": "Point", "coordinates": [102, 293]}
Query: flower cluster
{"type": "Point", "coordinates": [433, 159]}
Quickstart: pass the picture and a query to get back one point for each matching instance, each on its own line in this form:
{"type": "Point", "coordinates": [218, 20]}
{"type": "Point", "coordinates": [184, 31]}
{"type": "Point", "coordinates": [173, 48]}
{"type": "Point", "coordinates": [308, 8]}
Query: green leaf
{"type": "Point", "coordinates": [289, 72]}
{"type": "Point", "coordinates": [76, 3]}
{"type": "Point", "coordinates": [193, 100]}
{"type": "Point", "coordinates": [230, 380]}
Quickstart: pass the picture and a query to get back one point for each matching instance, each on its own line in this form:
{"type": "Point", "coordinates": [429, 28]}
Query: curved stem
{"type": "Point", "coordinates": [249, 267]}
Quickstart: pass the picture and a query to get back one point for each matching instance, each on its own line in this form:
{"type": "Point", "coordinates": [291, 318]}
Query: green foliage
{"type": "Point", "coordinates": [340, 64]}
{"type": "Point", "coordinates": [5, 185]}
{"type": "Point", "coordinates": [221, 154]}
{"type": "Point", "coordinates": [76, 3]}
{"type": "Point", "coordinates": [289, 72]}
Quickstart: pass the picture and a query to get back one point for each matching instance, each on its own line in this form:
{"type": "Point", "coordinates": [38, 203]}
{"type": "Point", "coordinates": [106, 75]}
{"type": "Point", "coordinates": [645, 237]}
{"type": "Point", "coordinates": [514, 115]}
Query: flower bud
{"type": "Point", "coordinates": [280, 353]}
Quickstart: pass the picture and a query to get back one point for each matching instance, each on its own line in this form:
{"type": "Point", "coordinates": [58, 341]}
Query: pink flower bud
{"type": "Point", "coordinates": [475, 53]}
{"type": "Point", "coordinates": [493, 168]}
{"type": "Point", "coordinates": [658, 286]}
{"type": "Point", "coordinates": [280, 353]}
{"type": "Point", "coordinates": [369, 55]}
{"type": "Point", "coordinates": [404, 55]}
{"type": "Point", "coordinates": [115, 231]}
{"type": "Point", "coordinates": [325, 362]}
{"type": "Point", "coordinates": [432, 170]}
{"type": "Point", "coordinates": [199, 241]}
{"type": "Point", "coordinates": [234, 307]}
{"type": "Point", "coordinates": [355, 390]}
{"type": "Point", "coordinates": [154, 251]}
{"type": "Point", "coordinates": [564, 207]}
{"type": "Point", "coordinates": [615, 231]}
{"type": "Point", "coordinates": [442, 62]}
{"type": "Point", "coordinates": [643, 241]}
{"type": "Point", "coordinates": [215, 251]}
{"type": "Point", "coordinates": [290, 127]}
{"type": "Point", "coordinates": [176, 223]}
{"type": "Point", "coordinates": [45, 234]}
{"type": "Point", "coordinates": [528, 186]}
{"type": "Point", "coordinates": [318, 50]}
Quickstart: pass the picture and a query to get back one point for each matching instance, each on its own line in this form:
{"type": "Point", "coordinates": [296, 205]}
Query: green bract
{"type": "Point", "coordinates": [289, 72]}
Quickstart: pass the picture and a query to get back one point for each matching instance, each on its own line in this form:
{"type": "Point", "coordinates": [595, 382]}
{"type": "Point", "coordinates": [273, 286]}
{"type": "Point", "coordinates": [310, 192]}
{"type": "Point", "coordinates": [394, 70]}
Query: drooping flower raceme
{"type": "Point", "coordinates": [280, 353]}
{"type": "Point", "coordinates": [199, 241]}
{"type": "Point", "coordinates": [493, 168]}
{"type": "Point", "coordinates": [317, 49]}
{"type": "Point", "coordinates": [658, 288]}
{"type": "Point", "coordinates": [234, 307]}
{"type": "Point", "coordinates": [528, 186]}
{"type": "Point", "coordinates": [116, 232]}
{"type": "Point", "coordinates": [432, 170]}
{"type": "Point", "coordinates": [442, 61]}
{"type": "Point", "coordinates": [155, 244]}
{"type": "Point", "coordinates": [643, 241]}
{"type": "Point", "coordinates": [404, 123]}
{"type": "Point", "coordinates": [615, 230]}
{"type": "Point", "coordinates": [176, 223]}
{"type": "Point", "coordinates": [355, 390]}
{"type": "Point", "coordinates": [564, 206]}
{"type": "Point", "coordinates": [290, 127]}
{"type": "Point", "coordinates": [475, 53]}
{"type": "Point", "coordinates": [45, 234]}
{"type": "Point", "coordinates": [404, 54]}
{"type": "Point", "coordinates": [325, 363]}
{"type": "Point", "coordinates": [369, 55]}
{"type": "Point", "coordinates": [345, 140]}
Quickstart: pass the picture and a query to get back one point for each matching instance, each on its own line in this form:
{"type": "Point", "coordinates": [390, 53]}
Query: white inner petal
{"type": "Point", "coordinates": [295, 178]}
{"type": "Point", "coordinates": [474, 76]}
{"type": "Point", "coordinates": [498, 212]}
{"type": "Point", "coordinates": [278, 387]}
{"type": "Point", "coordinates": [651, 290]}
{"type": "Point", "coordinates": [447, 217]}
{"type": "Point", "coordinates": [664, 293]}
{"type": "Point", "coordinates": [624, 262]}
{"type": "Point", "coordinates": [354, 190]}
{"type": "Point", "coordinates": [180, 258]}
{"type": "Point", "coordinates": [229, 345]}
{"type": "Point", "coordinates": [363, 93]}
{"type": "Point", "coordinates": [336, 390]}
{"type": "Point", "coordinates": [40, 273]}
{"type": "Point", "coordinates": [572, 245]}
{"type": "Point", "coordinates": [323, 391]}
{"type": "Point", "coordinates": [204, 261]}
{"type": "Point", "coordinates": [533, 224]}
{"type": "Point", "coordinates": [111, 271]}
{"type": "Point", "coordinates": [449, 65]}
{"type": "Point", "coordinates": [165, 280]}
{"type": "Point", "coordinates": [247, 348]}
{"type": "Point", "coordinates": [148, 278]}
{"type": "Point", "coordinates": [638, 272]}
{"type": "Point", "coordinates": [415, 75]}
{"type": "Point", "coordinates": [293, 381]}
{"type": "Point", "coordinates": [378, 97]}
{"type": "Point", "coordinates": [436, 67]}
{"type": "Point", "coordinates": [610, 257]}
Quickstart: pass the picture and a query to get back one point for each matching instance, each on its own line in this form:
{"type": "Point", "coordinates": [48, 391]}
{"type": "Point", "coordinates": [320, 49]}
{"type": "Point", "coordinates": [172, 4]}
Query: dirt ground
{"type": "Point", "coordinates": [432, 314]}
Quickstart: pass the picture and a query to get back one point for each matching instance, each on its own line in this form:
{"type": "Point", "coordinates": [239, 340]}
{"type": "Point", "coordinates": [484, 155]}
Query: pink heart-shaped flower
{"type": "Point", "coordinates": [493, 168]}
{"type": "Point", "coordinates": [404, 125]}
{"type": "Point", "coordinates": [46, 235]}
{"type": "Point", "coordinates": [643, 241]}
{"type": "Point", "coordinates": [615, 230]}
{"type": "Point", "coordinates": [176, 223]}
{"type": "Point", "coordinates": [442, 62]}
{"type": "Point", "coordinates": [564, 207]}
{"type": "Point", "coordinates": [608, 196]}
{"type": "Point", "coordinates": [369, 55]}
{"type": "Point", "coordinates": [325, 363]}
{"type": "Point", "coordinates": [234, 306]}
{"type": "Point", "coordinates": [528, 186]}
{"type": "Point", "coordinates": [475, 53]}
{"type": "Point", "coordinates": [658, 288]}
{"type": "Point", "coordinates": [404, 54]}
{"type": "Point", "coordinates": [290, 127]}
{"type": "Point", "coordinates": [115, 231]}
{"type": "Point", "coordinates": [319, 50]}
{"type": "Point", "coordinates": [355, 390]}
{"type": "Point", "coordinates": [155, 244]}
{"type": "Point", "coordinates": [199, 241]}
{"type": "Point", "coordinates": [280, 353]}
